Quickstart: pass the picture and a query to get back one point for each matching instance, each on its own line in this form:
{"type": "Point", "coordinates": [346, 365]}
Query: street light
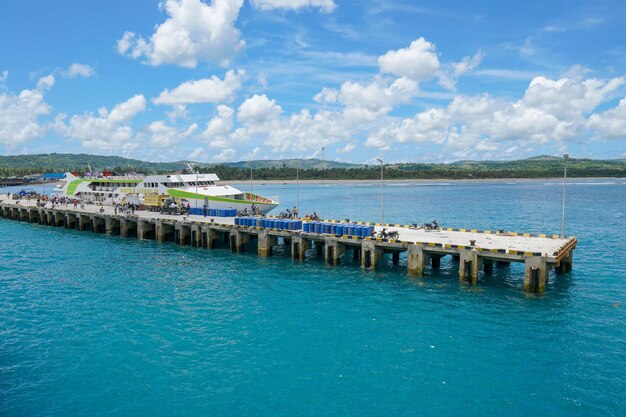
{"type": "Point", "coordinates": [251, 203]}
{"type": "Point", "coordinates": [382, 193]}
{"type": "Point", "coordinates": [298, 186]}
{"type": "Point", "coordinates": [565, 158]}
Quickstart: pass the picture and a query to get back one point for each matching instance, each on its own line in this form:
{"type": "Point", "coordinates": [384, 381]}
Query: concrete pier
{"type": "Point", "coordinates": [476, 252]}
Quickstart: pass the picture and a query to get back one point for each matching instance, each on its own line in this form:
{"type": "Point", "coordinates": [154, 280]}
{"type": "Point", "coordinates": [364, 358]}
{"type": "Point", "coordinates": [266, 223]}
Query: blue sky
{"type": "Point", "coordinates": [228, 80]}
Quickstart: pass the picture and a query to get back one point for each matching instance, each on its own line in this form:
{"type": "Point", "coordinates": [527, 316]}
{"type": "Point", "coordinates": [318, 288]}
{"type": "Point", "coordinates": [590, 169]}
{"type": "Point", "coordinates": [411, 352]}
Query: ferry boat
{"type": "Point", "coordinates": [197, 190]}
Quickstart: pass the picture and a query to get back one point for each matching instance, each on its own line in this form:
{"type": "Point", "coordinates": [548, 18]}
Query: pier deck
{"type": "Point", "coordinates": [475, 250]}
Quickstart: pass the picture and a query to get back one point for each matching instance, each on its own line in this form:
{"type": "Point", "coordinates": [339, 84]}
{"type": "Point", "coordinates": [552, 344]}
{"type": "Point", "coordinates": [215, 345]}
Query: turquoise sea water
{"type": "Point", "coordinates": [104, 326]}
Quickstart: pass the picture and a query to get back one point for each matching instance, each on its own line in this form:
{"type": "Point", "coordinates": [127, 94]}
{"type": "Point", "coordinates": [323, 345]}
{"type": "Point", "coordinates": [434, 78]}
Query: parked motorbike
{"type": "Point", "coordinates": [383, 234]}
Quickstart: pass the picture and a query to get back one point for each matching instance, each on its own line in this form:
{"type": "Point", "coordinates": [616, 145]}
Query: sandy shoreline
{"type": "Point", "coordinates": [500, 180]}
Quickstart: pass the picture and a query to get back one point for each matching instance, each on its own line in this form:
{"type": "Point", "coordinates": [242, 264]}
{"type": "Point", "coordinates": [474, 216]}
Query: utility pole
{"type": "Point", "coordinates": [565, 158]}
{"type": "Point", "coordinates": [382, 193]}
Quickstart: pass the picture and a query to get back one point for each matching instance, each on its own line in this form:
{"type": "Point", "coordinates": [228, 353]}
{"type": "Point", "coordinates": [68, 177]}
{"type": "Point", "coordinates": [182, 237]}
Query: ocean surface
{"type": "Point", "coordinates": [92, 325]}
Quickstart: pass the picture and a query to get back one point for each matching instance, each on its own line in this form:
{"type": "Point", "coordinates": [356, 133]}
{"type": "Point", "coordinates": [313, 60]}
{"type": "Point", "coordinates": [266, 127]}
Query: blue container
{"type": "Point", "coordinates": [328, 228]}
{"type": "Point", "coordinates": [333, 229]}
{"type": "Point", "coordinates": [305, 227]}
{"type": "Point", "coordinates": [316, 227]}
{"type": "Point", "coordinates": [351, 230]}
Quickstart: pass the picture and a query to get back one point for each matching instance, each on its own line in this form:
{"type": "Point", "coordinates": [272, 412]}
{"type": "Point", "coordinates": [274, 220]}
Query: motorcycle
{"type": "Point", "coordinates": [243, 213]}
{"type": "Point", "coordinates": [383, 234]}
{"type": "Point", "coordinates": [286, 215]}
{"type": "Point", "coordinates": [431, 226]}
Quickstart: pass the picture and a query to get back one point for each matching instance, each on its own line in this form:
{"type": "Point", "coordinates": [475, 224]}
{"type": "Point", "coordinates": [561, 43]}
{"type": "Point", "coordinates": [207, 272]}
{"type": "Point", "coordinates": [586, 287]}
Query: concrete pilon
{"type": "Point", "coordinates": [196, 235]}
{"type": "Point", "coordinates": [299, 246]}
{"type": "Point", "coordinates": [145, 230]}
{"type": "Point", "coordinates": [565, 264]}
{"type": "Point", "coordinates": [83, 221]}
{"type": "Point", "coordinates": [265, 243]}
{"type": "Point", "coordinates": [488, 266]}
{"type": "Point", "coordinates": [416, 260]}
{"type": "Point", "coordinates": [370, 254]}
{"type": "Point", "coordinates": [70, 220]}
{"type": "Point", "coordinates": [469, 265]}
{"type": "Point", "coordinates": [97, 224]}
{"type": "Point", "coordinates": [123, 227]}
{"type": "Point", "coordinates": [110, 225]}
{"type": "Point", "coordinates": [210, 236]}
{"type": "Point", "coordinates": [183, 232]}
{"type": "Point", "coordinates": [238, 239]}
{"type": "Point", "coordinates": [50, 218]}
{"type": "Point", "coordinates": [333, 250]}
{"type": "Point", "coordinates": [33, 216]}
{"type": "Point", "coordinates": [535, 274]}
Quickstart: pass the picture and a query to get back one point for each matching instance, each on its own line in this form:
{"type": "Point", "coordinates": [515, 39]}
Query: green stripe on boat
{"type": "Point", "coordinates": [187, 194]}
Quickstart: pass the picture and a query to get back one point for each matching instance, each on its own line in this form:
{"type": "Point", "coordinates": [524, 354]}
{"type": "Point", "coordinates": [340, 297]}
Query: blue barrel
{"type": "Point", "coordinates": [328, 228]}
{"type": "Point", "coordinates": [236, 221]}
{"type": "Point", "coordinates": [292, 225]}
{"type": "Point", "coordinates": [351, 230]}
{"type": "Point", "coordinates": [315, 227]}
{"type": "Point", "coordinates": [333, 229]}
{"type": "Point", "coordinates": [305, 227]}
{"type": "Point", "coordinates": [339, 230]}
{"type": "Point", "coordinates": [363, 231]}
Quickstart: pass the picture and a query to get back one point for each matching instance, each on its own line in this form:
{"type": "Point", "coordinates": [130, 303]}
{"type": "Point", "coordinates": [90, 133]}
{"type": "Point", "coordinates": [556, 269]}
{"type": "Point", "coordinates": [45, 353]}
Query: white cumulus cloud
{"type": "Point", "coordinates": [326, 6]}
{"type": "Point", "coordinates": [418, 62]}
{"type": "Point", "coordinates": [258, 109]}
{"type": "Point", "coordinates": [109, 131]}
{"type": "Point", "coordinates": [207, 90]}
{"type": "Point", "coordinates": [20, 114]}
{"type": "Point", "coordinates": [79, 70]}
{"type": "Point", "coordinates": [193, 32]}
{"type": "Point", "coordinates": [163, 135]}
{"type": "Point", "coordinates": [220, 126]}
{"type": "Point", "coordinates": [611, 124]}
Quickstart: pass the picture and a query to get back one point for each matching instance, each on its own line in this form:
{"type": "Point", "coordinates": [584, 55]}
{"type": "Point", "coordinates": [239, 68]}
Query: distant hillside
{"type": "Point", "coordinates": [283, 169]}
{"type": "Point", "coordinates": [80, 162]}
{"type": "Point", "coordinates": [290, 163]}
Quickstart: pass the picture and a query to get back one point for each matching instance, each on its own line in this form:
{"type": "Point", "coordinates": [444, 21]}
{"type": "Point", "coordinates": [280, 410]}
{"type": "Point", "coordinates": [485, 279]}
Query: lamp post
{"type": "Point", "coordinates": [298, 187]}
{"type": "Point", "coordinates": [382, 193]}
{"type": "Point", "coordinates": [565, 158]}
{"type": "Point", "coordinates": [251, 203]}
